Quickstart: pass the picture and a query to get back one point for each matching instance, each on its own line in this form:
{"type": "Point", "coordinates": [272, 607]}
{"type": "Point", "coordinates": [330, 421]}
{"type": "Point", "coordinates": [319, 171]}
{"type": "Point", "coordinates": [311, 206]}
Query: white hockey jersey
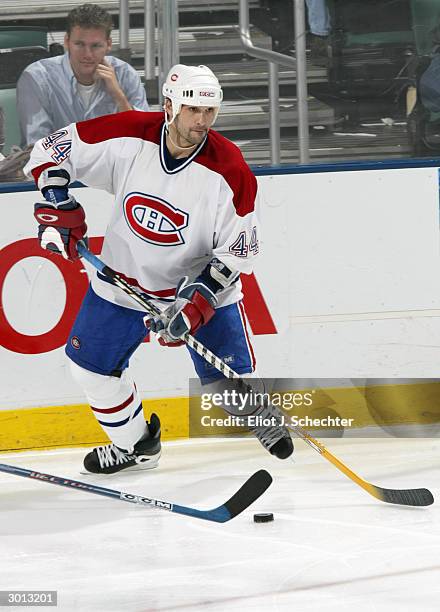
{"type": "Point", "coordinates": [165, 223]}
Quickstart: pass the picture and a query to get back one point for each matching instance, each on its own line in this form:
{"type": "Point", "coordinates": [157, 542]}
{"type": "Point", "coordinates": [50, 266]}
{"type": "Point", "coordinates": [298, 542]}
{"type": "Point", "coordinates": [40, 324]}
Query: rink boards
{"type": "Point", "coordinates": [347, 286]}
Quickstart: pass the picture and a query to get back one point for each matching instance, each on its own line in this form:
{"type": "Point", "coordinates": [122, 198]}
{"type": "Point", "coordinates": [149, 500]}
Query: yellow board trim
{"type": "Point", "coordinates": [71, 426]}
{"type": "Point", "coordinates": [64, 426]}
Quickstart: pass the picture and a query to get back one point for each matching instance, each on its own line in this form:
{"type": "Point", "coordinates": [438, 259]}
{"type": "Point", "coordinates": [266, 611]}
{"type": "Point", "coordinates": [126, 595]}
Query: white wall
{"type": "Point", "coordinates": [349, 270]}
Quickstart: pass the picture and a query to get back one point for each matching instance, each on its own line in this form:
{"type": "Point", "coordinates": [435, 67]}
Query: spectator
{"type": "Point", "coordinates": [81, 84]}
{"type": "Point", "coordinates": [319, 24]}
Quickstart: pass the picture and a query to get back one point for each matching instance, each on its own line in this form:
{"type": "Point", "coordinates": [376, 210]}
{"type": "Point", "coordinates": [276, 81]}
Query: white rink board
{"type": "Point", "coordinates": [349, 271]}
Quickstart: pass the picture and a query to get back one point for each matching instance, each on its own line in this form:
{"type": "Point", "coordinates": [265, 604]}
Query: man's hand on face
{"type": "Point", "coordinates": [106, 72]}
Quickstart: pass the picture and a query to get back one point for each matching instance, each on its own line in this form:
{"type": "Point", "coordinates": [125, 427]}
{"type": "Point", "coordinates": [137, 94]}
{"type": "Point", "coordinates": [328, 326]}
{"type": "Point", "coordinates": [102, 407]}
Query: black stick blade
{"type": "Point", "coordinates": [255, 486]}
{"type": "Point", "coordinates": [405, 497]}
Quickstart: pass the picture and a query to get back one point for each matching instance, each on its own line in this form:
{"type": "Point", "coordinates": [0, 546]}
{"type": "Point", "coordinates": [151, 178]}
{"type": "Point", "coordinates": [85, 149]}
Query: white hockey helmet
{"type": "Point", "coordinates": [191, 85]}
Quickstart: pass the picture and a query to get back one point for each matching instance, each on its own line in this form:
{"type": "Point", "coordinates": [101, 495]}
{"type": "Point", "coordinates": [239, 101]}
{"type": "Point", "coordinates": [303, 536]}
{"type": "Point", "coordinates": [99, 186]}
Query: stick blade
{"type": "Point", "coordinates": [405, 497]}
{"type": "Point", "coordinates": [252, 489]}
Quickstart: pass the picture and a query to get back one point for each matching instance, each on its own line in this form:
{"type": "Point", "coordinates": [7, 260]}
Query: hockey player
{"type": "Point", "coordinates": [183, 228]}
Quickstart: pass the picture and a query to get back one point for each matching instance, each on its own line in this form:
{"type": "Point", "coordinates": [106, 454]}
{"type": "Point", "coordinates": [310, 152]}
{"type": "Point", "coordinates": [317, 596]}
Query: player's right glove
{"type": "Point", "coordinates": [194, 306]}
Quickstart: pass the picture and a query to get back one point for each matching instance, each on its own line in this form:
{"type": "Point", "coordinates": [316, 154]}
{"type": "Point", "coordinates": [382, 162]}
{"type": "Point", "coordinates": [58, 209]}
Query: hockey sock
{"type": "Point", "coordinates": [116, 405]}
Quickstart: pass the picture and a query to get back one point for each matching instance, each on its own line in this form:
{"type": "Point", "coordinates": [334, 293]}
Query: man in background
{"type": "Point", "coordinates": [84, 83]}
{"type": "Point", "coordinates": [319, 23]}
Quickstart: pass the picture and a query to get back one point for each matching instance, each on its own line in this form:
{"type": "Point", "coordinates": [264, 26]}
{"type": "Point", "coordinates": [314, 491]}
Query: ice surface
{"type": "Point", "coordinates": [331, 547]}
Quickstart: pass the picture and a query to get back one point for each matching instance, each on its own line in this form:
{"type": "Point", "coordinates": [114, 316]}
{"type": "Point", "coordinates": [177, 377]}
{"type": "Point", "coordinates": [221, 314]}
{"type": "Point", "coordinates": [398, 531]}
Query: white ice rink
{"type": "Point", "coordinates": [331, 547]}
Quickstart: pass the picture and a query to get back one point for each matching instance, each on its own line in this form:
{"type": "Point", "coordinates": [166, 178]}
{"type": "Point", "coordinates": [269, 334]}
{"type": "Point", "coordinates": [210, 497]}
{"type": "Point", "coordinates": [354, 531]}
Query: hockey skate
{"type": "Point", "coordinates": [267, 424]}
{"type": "Point", "coordinates": [110, 458]}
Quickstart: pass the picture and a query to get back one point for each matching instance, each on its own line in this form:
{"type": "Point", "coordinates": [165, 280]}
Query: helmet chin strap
{"type": "Point", "coordinates": [176, 145]}
{"type": "Point", "coordinates": [167, 127]}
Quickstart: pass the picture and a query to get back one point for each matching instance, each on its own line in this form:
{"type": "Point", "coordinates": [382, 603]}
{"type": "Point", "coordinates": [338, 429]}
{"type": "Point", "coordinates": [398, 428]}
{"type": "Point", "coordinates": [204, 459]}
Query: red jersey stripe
{"type": "Point", "coordinates": [36, 172]}
{"type": "Point", "coordinates": [134, 124]}
{"type": "Point", "coordinates": [233, 168]}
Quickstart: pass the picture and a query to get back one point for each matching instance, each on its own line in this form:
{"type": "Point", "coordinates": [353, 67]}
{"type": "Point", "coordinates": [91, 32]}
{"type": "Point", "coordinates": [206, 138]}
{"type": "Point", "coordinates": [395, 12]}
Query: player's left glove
{"type": "Point", "coordinates": [61, 219]}
{"type": "Point", "coordinates": [193, 307]}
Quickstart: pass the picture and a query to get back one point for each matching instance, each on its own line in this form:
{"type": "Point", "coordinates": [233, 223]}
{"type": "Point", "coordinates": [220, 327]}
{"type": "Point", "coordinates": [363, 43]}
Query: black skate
{"type": "Point", "coordinates": [266, 423]}
{"type": "Point", "coordinates": [110, 459]}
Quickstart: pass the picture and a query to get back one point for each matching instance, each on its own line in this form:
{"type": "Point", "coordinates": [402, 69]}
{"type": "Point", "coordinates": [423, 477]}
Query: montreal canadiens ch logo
{"type": "Point", "coordinates": [154, 220]}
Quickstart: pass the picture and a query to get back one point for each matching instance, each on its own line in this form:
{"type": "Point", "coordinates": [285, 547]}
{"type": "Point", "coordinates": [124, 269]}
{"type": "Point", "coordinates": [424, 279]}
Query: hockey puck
{"type": "Point", "coordinates": [263, 517]}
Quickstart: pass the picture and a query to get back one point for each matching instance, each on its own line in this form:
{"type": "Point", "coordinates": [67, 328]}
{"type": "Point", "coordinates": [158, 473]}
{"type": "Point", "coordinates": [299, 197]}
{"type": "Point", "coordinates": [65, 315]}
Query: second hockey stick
{"type": "Point", "coordinates": [153, 310]}
{"type": "Point", "coordinates": [250, 491]}
{"type": "Point", "coordinates": [406, 497]}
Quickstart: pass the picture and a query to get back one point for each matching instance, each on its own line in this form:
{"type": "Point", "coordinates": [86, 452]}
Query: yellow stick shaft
{"type": "Point", "coordinates": [321, 449]}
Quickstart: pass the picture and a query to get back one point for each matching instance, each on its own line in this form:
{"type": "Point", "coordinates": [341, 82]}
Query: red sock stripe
{"type": "Point", "coordinates": [116, 408]}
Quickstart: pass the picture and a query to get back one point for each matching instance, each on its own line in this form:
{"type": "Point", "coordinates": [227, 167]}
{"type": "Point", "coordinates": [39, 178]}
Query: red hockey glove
{"type": "Point", "coordinates": [194, 307]}
{"type": "Point", "coordinates": [61, 227]}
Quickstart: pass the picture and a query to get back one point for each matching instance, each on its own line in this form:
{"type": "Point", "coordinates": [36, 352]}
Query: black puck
{"type": "Point", "coordinates": [263, 517]}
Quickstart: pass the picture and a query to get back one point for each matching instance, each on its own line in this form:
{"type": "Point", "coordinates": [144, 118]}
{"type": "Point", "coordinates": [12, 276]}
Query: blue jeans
{"type": "Point", "coordinates": [319, 17]}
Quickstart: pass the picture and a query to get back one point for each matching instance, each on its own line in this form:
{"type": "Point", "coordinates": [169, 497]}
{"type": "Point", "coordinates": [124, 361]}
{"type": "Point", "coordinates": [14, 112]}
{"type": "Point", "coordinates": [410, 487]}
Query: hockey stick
{"type": "Point", "coordinates": [406, 497]}
{"type": "Point", "coordinates": [250, 491]}
{"type": "Point", "coordinates": [153, 310]}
